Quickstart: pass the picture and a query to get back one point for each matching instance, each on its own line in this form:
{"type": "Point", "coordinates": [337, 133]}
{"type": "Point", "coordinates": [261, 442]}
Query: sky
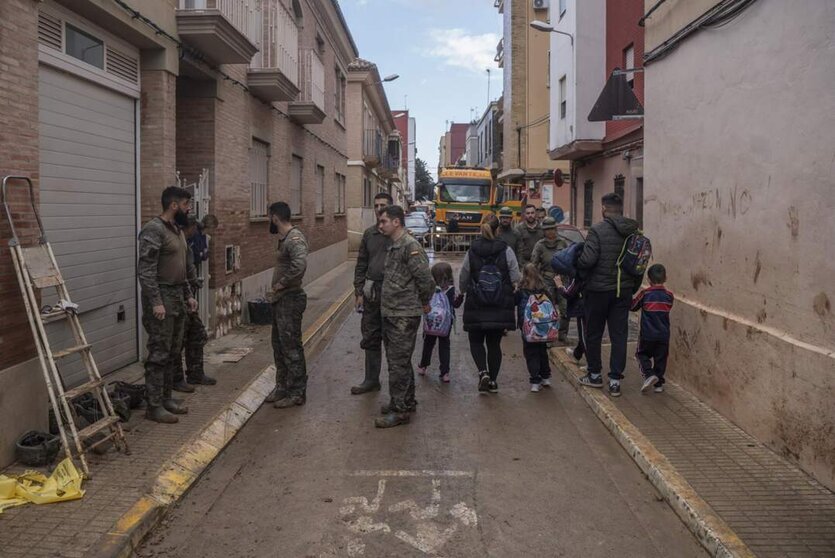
{"type": "Point", "coordinates": [441, 49]}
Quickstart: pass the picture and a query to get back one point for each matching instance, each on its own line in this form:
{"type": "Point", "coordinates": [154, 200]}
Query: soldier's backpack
{"type": "Point", "coordinates": [564, 261]}
{"type": "Point", "coordinates": [540, 320]}
{"type": "Point", "coordinates": [488, 284]}
{"type": "Point", "coordinates": [635, 256]}
{"type": "Point", "coordinates": [438, 321]}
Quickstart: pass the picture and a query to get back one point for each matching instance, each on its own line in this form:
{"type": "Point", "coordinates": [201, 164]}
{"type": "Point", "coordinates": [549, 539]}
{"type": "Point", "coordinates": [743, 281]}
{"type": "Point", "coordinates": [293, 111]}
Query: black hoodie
{"type": "Point", "coordinates": [604, 243]}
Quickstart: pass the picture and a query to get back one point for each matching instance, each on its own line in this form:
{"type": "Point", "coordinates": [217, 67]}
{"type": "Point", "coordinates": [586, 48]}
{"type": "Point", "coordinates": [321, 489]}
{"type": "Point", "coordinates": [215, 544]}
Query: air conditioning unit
{"type": "Point", "coordinates": [540, 4]}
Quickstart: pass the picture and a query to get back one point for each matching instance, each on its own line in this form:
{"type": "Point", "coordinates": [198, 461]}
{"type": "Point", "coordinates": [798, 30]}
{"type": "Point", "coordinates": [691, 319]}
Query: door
{"type": "Point", "coordinates": [88, 204]}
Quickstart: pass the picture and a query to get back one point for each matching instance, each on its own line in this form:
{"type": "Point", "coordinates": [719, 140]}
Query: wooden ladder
{"type": "Point", "coordinates": [37, 270]}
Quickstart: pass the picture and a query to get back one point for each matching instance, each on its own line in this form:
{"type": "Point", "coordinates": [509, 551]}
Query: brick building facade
{"type": "Point", "coordinates": [103, 109]}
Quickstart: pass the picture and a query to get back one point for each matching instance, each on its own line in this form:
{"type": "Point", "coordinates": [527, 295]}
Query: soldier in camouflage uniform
{"type": "Point", "coordinates": [543, 253]}
{"type": "Point", "coordinates": [529, 233]}
{"type": "Point", "coordinates": [368, 284]}
{"type": "Point", "coordinates": [289, 302]}
{"type": "Point", "coordinates": [506, 231]}
{"type": "Point", "coordinates": [195, 336]}
{"type": "Point", "coordinates": [165, 270]}
{"type": "Point", "coordinates": [407, 289]}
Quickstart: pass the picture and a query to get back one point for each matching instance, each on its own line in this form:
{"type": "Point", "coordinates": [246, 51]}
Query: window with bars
{"type": "Point", "coordinates": [296, 170]}
{"type": "Point", "coordinates": [339, 182]}
{"type": "Point", "coordinates": [339, 95]}
{"type": "Point", "coordinates": [259, 158]}
{"type": "Point", "coordinates": [320, 190]}
{"type": "Point", "coordinates": [588, 203]}
{"type": "Point", "coordinates": [620, 182]}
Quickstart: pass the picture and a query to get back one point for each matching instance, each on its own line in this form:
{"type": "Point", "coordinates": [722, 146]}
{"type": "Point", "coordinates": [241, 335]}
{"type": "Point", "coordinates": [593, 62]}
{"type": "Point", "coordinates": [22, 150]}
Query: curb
{"type": "Point", "coordinates": [706, 525]}
{"type": "Point", "coordinates": [177, 475]}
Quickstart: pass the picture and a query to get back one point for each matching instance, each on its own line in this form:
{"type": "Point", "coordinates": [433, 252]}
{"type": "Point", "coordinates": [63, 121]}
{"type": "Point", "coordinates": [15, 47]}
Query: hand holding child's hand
{"type": "Point", "coordinates": [558, 281]}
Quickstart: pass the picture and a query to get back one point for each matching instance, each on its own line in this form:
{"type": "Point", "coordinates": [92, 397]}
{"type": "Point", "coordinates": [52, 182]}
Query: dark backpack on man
{"type": "Point", "coordinates": [634, 256]}
{"type": "Point", "coordinates": [487, 286]}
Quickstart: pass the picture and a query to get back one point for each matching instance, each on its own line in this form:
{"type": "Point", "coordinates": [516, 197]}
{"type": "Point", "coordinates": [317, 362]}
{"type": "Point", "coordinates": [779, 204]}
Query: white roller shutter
{"type": "Point", "coordinates": [88, 204]}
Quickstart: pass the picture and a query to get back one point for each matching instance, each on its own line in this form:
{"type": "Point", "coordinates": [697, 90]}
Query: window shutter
{"type": "Point", "coordinates": [50, 31]}
{"type": "Point", "coordinates": [122, 65]}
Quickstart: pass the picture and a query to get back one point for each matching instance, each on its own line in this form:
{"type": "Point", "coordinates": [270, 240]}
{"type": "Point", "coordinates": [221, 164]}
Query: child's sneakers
{"type": "Point", "coordinates": [536, 388]}
{"type": "Point", "coordinates": [570, 352]}
{"type": "Point", "coordinates": [422, 370]}
{"type": "Point", "coordinates": [614, 389]}
{"type": "Point", "coordinates": [546, 382]}
{"type": "Point", "coordinates": [649, 382]}
{"type": "Point", "coordinates": [658, 389]}
{"type": "Point", "coordinates": [445, 378]}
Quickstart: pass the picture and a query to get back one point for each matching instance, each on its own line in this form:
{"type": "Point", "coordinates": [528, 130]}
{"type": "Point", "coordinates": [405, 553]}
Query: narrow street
{"type": "Point", "coordinates": [513, 474]}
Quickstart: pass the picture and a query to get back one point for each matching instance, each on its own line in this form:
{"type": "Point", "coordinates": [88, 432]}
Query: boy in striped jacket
{"type": "Point", "coordinates": [655, 303]}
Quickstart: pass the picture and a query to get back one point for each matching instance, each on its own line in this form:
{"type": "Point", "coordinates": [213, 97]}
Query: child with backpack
{"type": "Point", "coordinates": [564, 264]}
{"type": "Point", "coordinates": [655, 303]}
{"type": "Point", "coordinates": [438, 323]}
{"type": "Point", "coordinates": [539, 321]}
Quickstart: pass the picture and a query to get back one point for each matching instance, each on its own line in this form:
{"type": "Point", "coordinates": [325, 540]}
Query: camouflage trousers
{"type": "Point", "coordinates": [194, 339]}
{"type": "Point", "coordinates": [372, 323]}
{"type": "Point", "coordinates": [399, 336]}
{"type": "Point", "coordinates": [165, 341]}
{"type": "Point", "coordinates": [290, 365]}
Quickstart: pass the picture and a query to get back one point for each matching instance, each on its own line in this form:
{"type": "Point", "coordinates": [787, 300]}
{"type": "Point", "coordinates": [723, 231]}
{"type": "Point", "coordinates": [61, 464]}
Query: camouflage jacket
{"type": "Point", "coordinates": [510, 237]}
{"type": "Point", "coordinates": [543, 253]}
{"type": "Point", "coordinates": [527, 240]}
{"type": "Point", "coordinates": [290, 264]}
{"type": "Point", "coordinates": [408, 285]}
{"type": "Point", "coordinates": [164, 260]}
{"type": "Point", "coordinates": [371, 260]}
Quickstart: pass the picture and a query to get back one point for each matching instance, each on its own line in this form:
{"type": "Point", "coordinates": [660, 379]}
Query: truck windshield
{"type": "Point", "coordinates": [465, 192]}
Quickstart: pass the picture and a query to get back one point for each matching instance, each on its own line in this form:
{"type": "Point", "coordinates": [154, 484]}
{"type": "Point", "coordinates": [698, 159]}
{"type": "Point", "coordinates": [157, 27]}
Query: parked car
{"type": "Point", "coordinates": [418, 226]}
{"type": "Point", "coordinates": [570, 233]}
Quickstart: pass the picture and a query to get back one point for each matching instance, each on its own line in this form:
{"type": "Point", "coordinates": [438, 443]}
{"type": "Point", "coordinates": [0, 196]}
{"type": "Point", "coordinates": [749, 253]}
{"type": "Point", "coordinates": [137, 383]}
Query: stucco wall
{"type": "Point", "coordinates": [740, 194]}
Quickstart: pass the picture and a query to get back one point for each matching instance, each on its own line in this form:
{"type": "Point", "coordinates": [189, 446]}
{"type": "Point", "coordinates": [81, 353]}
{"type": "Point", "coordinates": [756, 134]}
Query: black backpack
{"type": "Point", "coordinates": [487, 286]}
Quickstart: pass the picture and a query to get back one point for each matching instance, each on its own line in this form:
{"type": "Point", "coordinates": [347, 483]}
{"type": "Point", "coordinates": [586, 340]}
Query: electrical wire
{"type": "Point", "coordinates": [196, 56]}
{"type": "Point", "coordinates": [720, 15]}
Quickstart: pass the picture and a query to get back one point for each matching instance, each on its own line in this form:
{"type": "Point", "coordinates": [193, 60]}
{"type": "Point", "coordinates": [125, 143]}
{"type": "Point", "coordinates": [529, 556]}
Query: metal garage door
{"type": "Point", "coordinates": [88, 204]}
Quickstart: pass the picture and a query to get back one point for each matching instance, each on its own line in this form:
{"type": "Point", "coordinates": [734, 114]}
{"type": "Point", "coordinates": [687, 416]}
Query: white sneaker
{"type": "Point", "coordinates": [658, 389]}
{"type": "Point", "coordinates": [546, 382]}
{"type": "Point", "coordinates": [535, 388]}
{"type": "Point", "coordinates": [649, 381]}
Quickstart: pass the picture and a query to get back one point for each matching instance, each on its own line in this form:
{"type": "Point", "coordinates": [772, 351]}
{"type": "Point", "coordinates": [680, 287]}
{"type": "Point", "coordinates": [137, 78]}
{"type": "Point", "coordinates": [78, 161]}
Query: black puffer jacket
{"type": "Point", "coordinates": [600, 256]}
{"type": "Point", "coordinates": [500, 317]}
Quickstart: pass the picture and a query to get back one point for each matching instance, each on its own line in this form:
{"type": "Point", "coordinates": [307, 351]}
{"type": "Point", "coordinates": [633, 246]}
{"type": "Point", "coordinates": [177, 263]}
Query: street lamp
{"type": "Point", "coordinates": [548, 28]}
{"type": "Point", "coordinates": [387, 79]}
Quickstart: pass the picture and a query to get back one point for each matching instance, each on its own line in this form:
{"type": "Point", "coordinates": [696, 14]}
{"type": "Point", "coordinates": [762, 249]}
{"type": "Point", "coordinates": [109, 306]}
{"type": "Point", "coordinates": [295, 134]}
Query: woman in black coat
{"type": "Point", "coordinates": [487, 277]}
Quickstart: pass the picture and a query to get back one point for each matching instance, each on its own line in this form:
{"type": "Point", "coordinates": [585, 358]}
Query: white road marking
{"type": "Point", "coordinates": [362, 501]}
{"type": "Point", "coordinates": [429, 537]}
{"type": "Point", "coordinates": [365, 525]}
{"type": "Point", "coordinates": [407, 473]}
{"type": "Point", "coordinates": [464, 514]}
{"type": "Point", "coordinates": [418, 513]}
{"type": "Point", "coordinates": [355, 548]}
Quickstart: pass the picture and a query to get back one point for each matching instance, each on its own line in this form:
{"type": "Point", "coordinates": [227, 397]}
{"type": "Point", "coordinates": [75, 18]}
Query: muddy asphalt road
{"type": "Point", "coordinates": [507, 475]}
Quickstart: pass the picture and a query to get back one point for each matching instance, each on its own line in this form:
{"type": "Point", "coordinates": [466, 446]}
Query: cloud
{"type": "Point", "coordinates": [460, 49]}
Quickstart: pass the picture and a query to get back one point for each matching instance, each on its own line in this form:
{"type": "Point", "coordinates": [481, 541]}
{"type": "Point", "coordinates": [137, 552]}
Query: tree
{"type": "Point", "coordinates": [424, 184]}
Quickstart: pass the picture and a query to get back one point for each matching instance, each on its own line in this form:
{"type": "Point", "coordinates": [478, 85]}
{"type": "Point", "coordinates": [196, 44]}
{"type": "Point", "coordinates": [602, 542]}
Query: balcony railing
{"type": "Point", "coordinates": [500, 53]}
{"type": "Point", "coordinates": [279, 43]}
{"type": "Point", "coordinates": [312, 78]}
{"type": "Point", "coordinates": [372, 147]}
{"type": "Point", "coordinates": [244, 15]}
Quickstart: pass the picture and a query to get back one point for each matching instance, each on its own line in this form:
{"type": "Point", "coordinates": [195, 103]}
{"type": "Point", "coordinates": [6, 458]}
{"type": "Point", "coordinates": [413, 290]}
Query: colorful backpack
{"type": "Point", "coordinates": [540, 320]}
{"type": "Point", "coordinates": [438, 321]}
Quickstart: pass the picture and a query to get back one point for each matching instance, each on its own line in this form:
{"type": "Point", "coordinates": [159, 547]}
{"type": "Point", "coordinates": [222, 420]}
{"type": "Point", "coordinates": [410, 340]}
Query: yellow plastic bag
{"type": "Point", "coordinates": [62, 485]}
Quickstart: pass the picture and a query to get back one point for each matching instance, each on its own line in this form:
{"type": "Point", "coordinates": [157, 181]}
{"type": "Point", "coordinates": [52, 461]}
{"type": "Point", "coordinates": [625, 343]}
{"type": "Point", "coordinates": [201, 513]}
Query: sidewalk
{"type": "Point", "coordinates": [713, 472]}
{"type": "Point", "coordinates": [119, 482]}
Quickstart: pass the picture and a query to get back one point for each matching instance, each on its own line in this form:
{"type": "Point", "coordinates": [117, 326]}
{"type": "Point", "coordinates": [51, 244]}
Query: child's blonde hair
{"type": "Point", "coordinates": [442, 274]}
{"type": "Point", "coordinates": [531, 278]}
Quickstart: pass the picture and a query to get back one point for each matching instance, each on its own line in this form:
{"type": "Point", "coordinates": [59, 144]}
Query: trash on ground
{"type": "Point", "coordinates": [62, 485]}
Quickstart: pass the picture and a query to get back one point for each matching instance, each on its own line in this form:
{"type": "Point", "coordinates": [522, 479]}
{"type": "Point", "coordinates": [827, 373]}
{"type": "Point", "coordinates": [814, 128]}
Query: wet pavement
{"type": "Point", "coordinates": [510, 474]}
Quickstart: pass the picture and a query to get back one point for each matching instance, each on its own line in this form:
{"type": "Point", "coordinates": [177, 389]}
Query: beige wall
{"type": "Point", "coordinates": [602, 173]}
{"type": "Point", "coordinates": [740, 197]}
{"type": "Point", "coordinates": [670, 17]}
